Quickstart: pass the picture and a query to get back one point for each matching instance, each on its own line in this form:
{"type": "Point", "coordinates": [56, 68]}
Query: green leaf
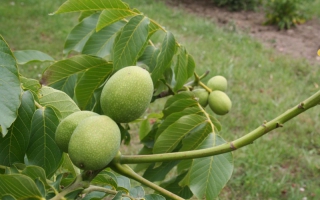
{"type": "Point", "coordinates": [210, 174]}
{"type": "Point", "coordinates": [30, 84]}
{"type": "Point", "coordinates": [80, 34]}
{"type": "Point", "coordinates": [149, 57]}
{"type": "Point", "coordinates": [173, 186]}
{"type": "Point", "coordinates": [35, 172]}
{"type": "Point", "coordinates": [144, 129]}
{"type": "Point", "coordinates": [159, 173]}
{"type": "Point", "coordinates": [91, 80]}
{"type": "Point", "coordinates": [19, 186]}
{"type": "Point", "coordinates": [74, 65]}
{"type": "Point", "coordinates": [90, 5]}
{"type": "Point", "coordinates": [154, 197]}
{"type": "Point", "coordinates": [106, 178]}
{"type": "Point", "coordinates": [68, 165]}
{"type": "Point", "coordinates": [118, 196]}
{"type": "Point", "coordinates": [109, 16]}
{"type": "Point", "coordinates": [137, 192]}
{"type": "Point", "coordinates": [130, 42]}
{"type": "Point", "coordinates": [60, 101]}
{"type": "Point", "coordinates": [43, 150]}
{"type": "Point", "coordinates": [9, 87]}
{"type": "Point", "coordinates": [8, 197]}
{"type": "Point", "coordinates": [26, 56]}
{"type": "Point", "coordinates": [101, 43]}
{"type": "Point", "coordinates": [66, 85]}
{"type": "Point", "coordinates": [180, 105]}
{"type": "Point", "coordinates": [172, 136]}
{"type": "Point", "coordinates": [40, 186]}
{"type": "Point", "coordinates": [164, 58]}
{"type": "Point", "coordinates": [172, 118]}
{"type": "Point", "coordinates": [56, 184]}
{"type": "Point", "coordinates": [123, 183]}
{"type": "Point", "coordinates": [183, 69]}
{"type": "Point", "coordinates": [95, 195]}
{"type": "Point", "coordinates": [14, 145]}
{"type": "Point", "coordinates": [85, 14]}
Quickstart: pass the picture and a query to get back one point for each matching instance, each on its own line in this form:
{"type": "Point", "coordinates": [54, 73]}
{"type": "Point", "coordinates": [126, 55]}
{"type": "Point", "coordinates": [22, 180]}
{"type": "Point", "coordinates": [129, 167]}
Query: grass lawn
{"type": "Point", "coordinates": [284, 164]}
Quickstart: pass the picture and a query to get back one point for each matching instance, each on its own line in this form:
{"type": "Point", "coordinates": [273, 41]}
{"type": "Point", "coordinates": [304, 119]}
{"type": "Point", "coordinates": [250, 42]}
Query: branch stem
{"type": "Point", "coordinates": [128, 172]}
{"type": "Point", "coordinates": [230, 146]}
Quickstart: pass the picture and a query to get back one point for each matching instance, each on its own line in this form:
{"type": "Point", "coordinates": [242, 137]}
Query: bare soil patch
{"type": "Point", "coordinates": [301, 41]}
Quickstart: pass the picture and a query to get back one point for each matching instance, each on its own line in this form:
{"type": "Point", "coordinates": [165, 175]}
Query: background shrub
{"type": "Point", "coordinates": [286, 13]}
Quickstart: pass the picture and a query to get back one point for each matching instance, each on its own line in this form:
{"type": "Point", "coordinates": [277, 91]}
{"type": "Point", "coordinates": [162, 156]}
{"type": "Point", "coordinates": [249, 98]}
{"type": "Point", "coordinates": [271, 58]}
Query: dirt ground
{"type": "Point", "coordinates": [301, 41]}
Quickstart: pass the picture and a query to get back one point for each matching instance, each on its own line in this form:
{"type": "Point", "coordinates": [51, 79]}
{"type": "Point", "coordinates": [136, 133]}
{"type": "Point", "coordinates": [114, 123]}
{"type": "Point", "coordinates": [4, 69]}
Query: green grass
{"type": "Point", "coordinates": [28, 25]}
{"type": "Point", "coordinates": [262, 85]}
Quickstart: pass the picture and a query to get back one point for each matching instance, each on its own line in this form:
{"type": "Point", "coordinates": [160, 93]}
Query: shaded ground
{"type": "Point", "coordinates": [301, 41]}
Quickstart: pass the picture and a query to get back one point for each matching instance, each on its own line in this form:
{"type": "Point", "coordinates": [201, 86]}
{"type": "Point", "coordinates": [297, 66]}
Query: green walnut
{"type": "Point", "coordinates": [94, 143]}
{"type": "Point", "coordinates": [219, 102]}
{"type": "Point", "coordinates": [202, 96]}
{"type": "Point", "coordinates": [127, 94]}
{"type": "Point", "coordinates": [218, 83]}
{"type": "Point", "coordinates": [67, 126]}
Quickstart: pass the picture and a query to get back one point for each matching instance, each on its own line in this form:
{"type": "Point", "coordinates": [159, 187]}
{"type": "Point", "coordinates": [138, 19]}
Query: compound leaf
{"type": "Point", "coordinates": [10, 90]}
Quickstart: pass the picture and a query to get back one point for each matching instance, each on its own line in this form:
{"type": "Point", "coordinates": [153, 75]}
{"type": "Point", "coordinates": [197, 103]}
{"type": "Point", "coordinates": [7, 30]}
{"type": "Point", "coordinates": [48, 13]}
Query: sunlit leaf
{"type": "Point", "coordinates": [90, 5]}
{"type": "Point", "coordinates": [43, 150]}
{"type": "Point", "coordinates": [26, 56]}
{"type": "Point", "coordinates": [130, 42]}
{"type": "Point", "coordinates": [9, 87]}
{"type": "Point", "coordinates": [19, 186]}
{"type": "Point", "coordinates": [14, 145]}
{"type": "Point", "coordinates": [109, 16]}
{"type": "Point", "coordinates": [85, 14]}
{"type": "Point", "coordinates": [60, 101]}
